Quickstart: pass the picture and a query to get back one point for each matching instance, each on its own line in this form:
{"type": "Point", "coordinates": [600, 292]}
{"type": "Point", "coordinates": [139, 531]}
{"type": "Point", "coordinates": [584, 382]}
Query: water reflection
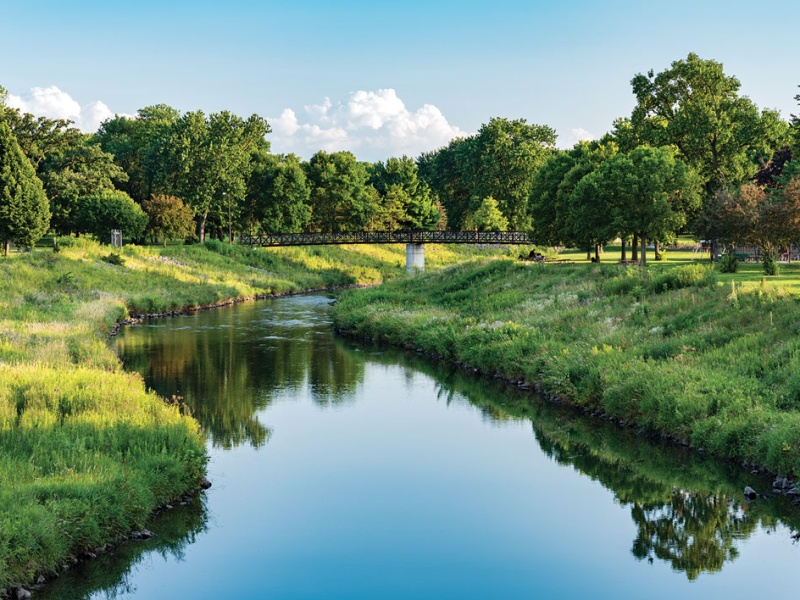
{"type": "Point", "coordinates": [688, 511]}
{"type": "Point", "coordinates": [230, 363]}
{"type": "Point", "coordinates": [112, 575]}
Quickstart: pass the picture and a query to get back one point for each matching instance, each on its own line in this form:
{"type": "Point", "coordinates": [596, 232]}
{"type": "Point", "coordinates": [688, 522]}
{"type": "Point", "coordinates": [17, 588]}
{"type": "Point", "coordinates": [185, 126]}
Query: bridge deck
{"type": "Point", "coordinates": [389, 237]}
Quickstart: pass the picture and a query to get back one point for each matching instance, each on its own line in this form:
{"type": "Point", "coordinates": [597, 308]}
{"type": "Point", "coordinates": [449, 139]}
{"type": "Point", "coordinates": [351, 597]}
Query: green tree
{"type": "Point", "coordinates": [24, 211]}
{"type": "Point", "coordinates": [73, 171]}
{"type": "Point", "coordinates": [278, 193]}
{"type": "Point", "coordinates": [489, 217]}
{"type": "Point", "coordinates": [98, 214]}
{"type": "Point", "coordinates": [341, 197]}
{"type": "Point", "coordinates": [406, 202]}
{"type": "Point", "coordinates": [206, 163]}
{"type": "Point", "coordinates": [650, 192]}
{"type": "Point", "coordinates": [696, 107]}
{"type": "Point", "coordinates": [505, 158]}
{"type": "Point", "coordinates": [138, 146]}
{"type": "Point", "coordinates": [501, 161]}
{"type": "Point", "coordinates": [168, 218]}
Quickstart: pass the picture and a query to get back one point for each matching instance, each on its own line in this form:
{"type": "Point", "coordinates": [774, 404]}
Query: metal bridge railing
{"type": "Point", "coordinates": [389, 237]}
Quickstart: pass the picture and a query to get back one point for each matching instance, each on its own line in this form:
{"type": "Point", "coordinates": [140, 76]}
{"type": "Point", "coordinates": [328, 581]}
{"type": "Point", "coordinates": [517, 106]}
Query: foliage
{"type": "Point", "coordinates": [696, 106]}
{"type": "Point", "coordinates": [278, 194]}
{"type": "Point", "coordinates": [488, 217]}
{"type": "Point", "coordinates": [340, 197]}
{"type": "Point", "coordinates": [728, 263]}
{"type": "Point", "coordinates": [24, 213]}
{"type": "Point", "coordinates": [99, 214]}
{"type": "Point", "coordinates": [500, 161]}
{"type": "Point", "coordinates": [137, 146]}
{"type": "Point", "coordinates": [406, 202]}
{"type": "Point", "coordinates": [168, 218]}
{"type": "Point", "coordinates": [206, 163]}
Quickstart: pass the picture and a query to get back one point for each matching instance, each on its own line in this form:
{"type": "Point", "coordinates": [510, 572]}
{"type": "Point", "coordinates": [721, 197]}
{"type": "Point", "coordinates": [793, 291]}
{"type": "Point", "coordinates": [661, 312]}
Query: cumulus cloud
{"type": "Point", "coordinates": [577, 134]}
{"type": "Point", "coordinates": [54, 103]}
{"type": "Point", "coordinates": [373, 125]}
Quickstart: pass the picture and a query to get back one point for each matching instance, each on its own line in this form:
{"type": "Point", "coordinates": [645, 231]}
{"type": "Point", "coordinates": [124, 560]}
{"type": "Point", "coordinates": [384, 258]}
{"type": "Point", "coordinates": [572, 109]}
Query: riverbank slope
{"type": "Point", "coordinates": [674, 351]}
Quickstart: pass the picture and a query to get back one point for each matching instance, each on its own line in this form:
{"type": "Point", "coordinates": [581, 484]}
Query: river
{"type": "Point", "coordinates": [345, 471]}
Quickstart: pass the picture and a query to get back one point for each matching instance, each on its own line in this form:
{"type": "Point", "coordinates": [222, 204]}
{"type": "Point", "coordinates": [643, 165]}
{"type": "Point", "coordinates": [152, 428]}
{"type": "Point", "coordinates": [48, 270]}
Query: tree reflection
{"type": "Point", "coordinates": [686, 507]}
{"type": "Point", "coordinates": [110, 574]}
{"type": "Point", "coordinates": [230, 363]}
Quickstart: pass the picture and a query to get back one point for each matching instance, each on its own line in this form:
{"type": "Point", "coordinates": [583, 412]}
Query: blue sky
{"type": "Point", "coordinates": [398, 77]}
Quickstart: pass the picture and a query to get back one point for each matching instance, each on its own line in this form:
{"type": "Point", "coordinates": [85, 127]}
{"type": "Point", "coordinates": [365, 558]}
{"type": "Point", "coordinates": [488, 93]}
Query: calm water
{"type": "Point", "coordinates": [342, 471]}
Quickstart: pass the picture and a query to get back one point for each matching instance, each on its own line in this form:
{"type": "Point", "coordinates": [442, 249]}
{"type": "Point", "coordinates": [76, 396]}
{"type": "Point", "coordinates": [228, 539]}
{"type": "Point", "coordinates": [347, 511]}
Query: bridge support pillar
{"type": "Point", "coordinates": [415, 257]}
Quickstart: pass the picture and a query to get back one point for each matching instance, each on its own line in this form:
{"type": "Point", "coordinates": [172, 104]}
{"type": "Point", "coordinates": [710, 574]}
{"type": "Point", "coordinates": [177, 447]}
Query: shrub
{"type": "Point", "coordinates": [728, 263]}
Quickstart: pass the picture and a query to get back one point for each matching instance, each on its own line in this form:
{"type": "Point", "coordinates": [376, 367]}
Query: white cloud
{"type": "Point", "coordinates": [54, 103]}
{"type": "Point", "coordinates": [373, 125]}
{"type": "Point", "coordinates": [575, 135]}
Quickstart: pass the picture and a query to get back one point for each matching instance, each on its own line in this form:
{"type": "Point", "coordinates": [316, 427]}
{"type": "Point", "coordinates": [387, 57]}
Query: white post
{"type": "Point", "coordinates": [415, 257]}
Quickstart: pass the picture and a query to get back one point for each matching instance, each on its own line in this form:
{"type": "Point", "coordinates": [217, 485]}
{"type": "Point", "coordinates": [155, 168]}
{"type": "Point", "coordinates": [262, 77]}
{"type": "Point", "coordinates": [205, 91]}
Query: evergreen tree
{"type": "Point", "coordinates": [24, 209]}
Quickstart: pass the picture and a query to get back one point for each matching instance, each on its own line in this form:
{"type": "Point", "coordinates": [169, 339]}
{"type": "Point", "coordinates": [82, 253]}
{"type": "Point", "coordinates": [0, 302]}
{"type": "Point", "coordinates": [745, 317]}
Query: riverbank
{"type": "Point", "coordinates": [86, 452]}
{"type": "Point", "coordinates": [676, 352]}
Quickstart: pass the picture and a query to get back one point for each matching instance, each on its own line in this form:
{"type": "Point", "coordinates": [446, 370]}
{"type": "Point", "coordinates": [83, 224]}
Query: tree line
{"type": "Point", "coordinates": [694, 155]}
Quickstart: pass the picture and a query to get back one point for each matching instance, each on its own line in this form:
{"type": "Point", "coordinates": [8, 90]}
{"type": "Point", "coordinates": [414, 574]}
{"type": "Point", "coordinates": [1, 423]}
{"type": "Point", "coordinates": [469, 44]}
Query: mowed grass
{"type": "Point", "coordinates": [677, 350]}
{"type": "Point", "coordinates": [86, 453]}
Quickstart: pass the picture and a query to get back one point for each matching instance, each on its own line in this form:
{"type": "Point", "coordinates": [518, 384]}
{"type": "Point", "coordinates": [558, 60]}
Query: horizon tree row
{"type": "Point", "coordinates": [163, 173]}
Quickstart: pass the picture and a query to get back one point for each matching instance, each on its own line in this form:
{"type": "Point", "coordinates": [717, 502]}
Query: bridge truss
{"type": "Point", "coordinates": [389, 237]}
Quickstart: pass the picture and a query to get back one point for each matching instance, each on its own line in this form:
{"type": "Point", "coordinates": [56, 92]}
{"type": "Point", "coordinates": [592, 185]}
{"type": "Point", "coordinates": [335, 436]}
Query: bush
{"type": "Point", "coordinates": [114, 259]}
{"type": "Point", "coordinates": [770, 263]}
{"type": "Point", "coordinates": [728, 263]}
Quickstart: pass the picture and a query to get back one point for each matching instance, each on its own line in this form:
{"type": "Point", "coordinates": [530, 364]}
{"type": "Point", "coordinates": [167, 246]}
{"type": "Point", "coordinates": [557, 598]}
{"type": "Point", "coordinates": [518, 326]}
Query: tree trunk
{"type": "Point", "coordinates": [635, 248]}
{"type": "Point", "coordinates": [643, 260]}
{"type": "Point", "coordinates": [7, 247]}
{"type": "Point", "coordinates": [588, 254]}
{"type": "Point", "coordinates": [201, 227]}
{"type": "Point", "coordinates": [597, 253]}
{"type": "Point", "coordinates": [624, 256]}
{"type": "Point", "coordinates": [655, 251]}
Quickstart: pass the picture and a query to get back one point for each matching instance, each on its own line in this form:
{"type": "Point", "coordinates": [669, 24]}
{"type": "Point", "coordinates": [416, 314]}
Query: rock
{"type": "Point", "coordinates": [144, 534]}
{"type": "Point", "coordinates": [205, 484]}
{"type": "Point", "coordinates": [781, 483]}
{"type": "Point", "coordinates": [750, 493]}
{"type": "Point", "coordinates": [23, 594]}
{"type": "Point", "coordinates": [42, 579]}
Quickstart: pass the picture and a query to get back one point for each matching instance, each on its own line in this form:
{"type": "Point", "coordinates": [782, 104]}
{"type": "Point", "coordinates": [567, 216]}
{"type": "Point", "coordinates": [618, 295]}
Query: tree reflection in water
{"type": "Point", "coordinates": [688, 509]}
{"type": "Point", "coordinates": [240, 359]}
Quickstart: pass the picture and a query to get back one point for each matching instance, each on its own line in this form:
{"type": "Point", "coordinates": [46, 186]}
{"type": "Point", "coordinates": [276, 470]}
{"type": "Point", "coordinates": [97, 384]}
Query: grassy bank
{"type": "Point", "coordinates": [677, 351]}
{"type": "Point", "coordinates": [86, 453]}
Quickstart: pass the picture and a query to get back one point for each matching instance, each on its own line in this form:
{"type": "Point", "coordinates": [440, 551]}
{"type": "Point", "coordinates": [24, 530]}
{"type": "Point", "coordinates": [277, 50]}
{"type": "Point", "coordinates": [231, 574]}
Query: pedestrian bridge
{"type": "Point", "coordinates": [414, 240]}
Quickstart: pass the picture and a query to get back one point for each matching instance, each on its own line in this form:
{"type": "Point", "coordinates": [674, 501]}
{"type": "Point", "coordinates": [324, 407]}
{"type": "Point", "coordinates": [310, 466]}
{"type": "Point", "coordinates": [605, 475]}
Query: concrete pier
{"type": "Point", "coordinates": [415, 257]}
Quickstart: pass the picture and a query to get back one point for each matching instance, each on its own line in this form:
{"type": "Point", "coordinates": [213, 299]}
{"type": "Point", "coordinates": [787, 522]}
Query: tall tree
{"type": "Point", "coordinates": [507, 155]}
{"type": "Point", "coordinates": [696, 107]}
{"type": "Point", "coordinates": [406, 201]}
{"type": "Point", "coordinates": [278, 193]}
{"type": "Point", "coordinates": [75, 171]}
{"type": "Point", "coordinates": [24, 210]}
{"type": "Point", "coordinates": [651, 191]}
{"type": "Point", "coordinates": [206, 163]}
{"type": "Point", "coordinates": [138, 146]}
{"type": "Point", "coordinates": [501, 161]}
{"type": "Point", "coordinates": [341, 197]}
